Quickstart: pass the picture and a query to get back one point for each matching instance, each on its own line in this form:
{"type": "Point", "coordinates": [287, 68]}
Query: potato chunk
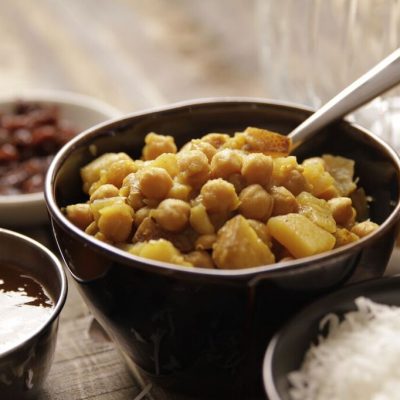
{"type": "Point", "coordinates": [104, 191]}
{"type": "Point", "coordinates": [342, 170]}
{"type": "Point", "coordinates": [317, 211]}
{"type": "Point", "coordinates": [160, 250]}
{"type": "Point", "coordinates": [200, 221]}
{"type": "Point", "coordinates": [364, 228]}
{"type": "Point", "coordinates": [238, 246]}
{"type": "Point", "coordinates": [342, 210]}
{"type": "Point", "coordinates": [299, 235]}
{"type": "Point", "coordinates": [267, 142]}
{"type": "Point", "coordinates": [80, 215]}
{"type": "Point", "coordinates": [344, 236]}
{"type": "Point", "coordinates": [321, 182]}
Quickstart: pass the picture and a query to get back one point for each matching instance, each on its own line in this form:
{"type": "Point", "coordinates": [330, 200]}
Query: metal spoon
{"type": "Point", "coordinates": [376, 81]}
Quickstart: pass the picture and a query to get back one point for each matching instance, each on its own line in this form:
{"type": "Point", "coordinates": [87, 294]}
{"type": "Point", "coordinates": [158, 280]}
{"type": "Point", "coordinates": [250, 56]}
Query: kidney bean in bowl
{"type": "Point", "coordinates": [29, 136]}
{"type": "Point", "coordinates": [34, 125]}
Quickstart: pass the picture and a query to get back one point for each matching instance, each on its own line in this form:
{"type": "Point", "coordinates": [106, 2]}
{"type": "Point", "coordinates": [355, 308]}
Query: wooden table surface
{"type": "Point", "coordinates": [132, 55]}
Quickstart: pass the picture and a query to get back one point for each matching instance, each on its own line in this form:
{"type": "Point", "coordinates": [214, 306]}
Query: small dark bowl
{"type": "Point", "coordinates": [199, 331]}
{"type": "Point", "coordinates": [25, 366]}
{"type": "Point", "coordinates": [286, 350]}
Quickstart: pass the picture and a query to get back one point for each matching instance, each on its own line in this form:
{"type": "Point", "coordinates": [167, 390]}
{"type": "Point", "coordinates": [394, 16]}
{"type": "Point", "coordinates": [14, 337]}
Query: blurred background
{"type": "Point", "coordinates": [144, 53]}
{"type": "Point", "coordinates": [136, 54]}
{"type": "Point", "coordinates": [131, 54]}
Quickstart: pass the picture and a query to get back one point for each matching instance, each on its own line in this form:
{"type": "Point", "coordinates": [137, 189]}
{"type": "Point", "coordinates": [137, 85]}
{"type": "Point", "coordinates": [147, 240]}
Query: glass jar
{"type": "Point", "coordinates": [312, 49]}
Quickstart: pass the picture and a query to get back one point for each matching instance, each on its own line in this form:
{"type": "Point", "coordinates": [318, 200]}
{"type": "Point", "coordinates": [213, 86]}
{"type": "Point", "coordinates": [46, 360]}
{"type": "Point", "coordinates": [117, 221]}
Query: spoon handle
{"type": "Point", "coordinates": [376, 81]}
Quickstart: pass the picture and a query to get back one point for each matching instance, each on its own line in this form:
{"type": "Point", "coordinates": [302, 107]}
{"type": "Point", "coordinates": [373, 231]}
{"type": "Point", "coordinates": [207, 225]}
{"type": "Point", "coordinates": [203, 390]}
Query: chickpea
{"type": "Point", "coordinates": [257, 168]}
{"type": "Point", "coordinates": [194, 167]}
{"type": "Point", "coordinates": [284, 201]}
{"type": "Point", "coordinates": [180, 191]}
{"type": "Point", "coordinates": [141, 214]}
{"type": "Point", "coordinates": [104, 191]}
{"type": "Point", "coordinates": [154, 183]}
{"type": "Point", "coordinates": [117, 171]}
{"type": "Point", "coordinates": [219, 196]}
{"type": "Point", "coordinates": [216, 139]}
{"type": "Point", "coordinates": [172, 215]}
{"type": "Point", "coordinates": [156, 145]}
{"type": "Point", "coordinates": [80, 215]}
{"type": "Point", "coordinates": [135, 199]}
{"type": "Point", "coordinates": [130, 190]}
{"type": "Point", "coordinates": [218, 220]}
{"type": "Point", "coordinates": [115, 222]}
{"type": "Point", "coordinates": [101, 237]}
{"type": "Point", "coordinates": [205, 242]}
{"type": "Point", "coordinates": [238, 181]}
{"type": "Point", "coordinates": [295, 182]}
{"type": "Point", "coordinates": [237, 142]}
{"type": "Point", "coordinates": [197, 144]}
{"type": "Point", "coordinates": [168, 161]}
{"type": "Point", "coordinates": [92, 228]}
{"type": "Point", "coordinates": [225, 162]}
{"type": "Point", "coordinates": [129, 181]}
{"type": "Point", "coordinates": [200, 259]}
{"type": "Point", "coordinates": [256, 203]}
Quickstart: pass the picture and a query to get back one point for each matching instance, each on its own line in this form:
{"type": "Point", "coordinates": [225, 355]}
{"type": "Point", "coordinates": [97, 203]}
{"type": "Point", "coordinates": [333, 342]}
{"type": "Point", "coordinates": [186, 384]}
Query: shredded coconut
{"type": "Point", "coordinates": [359, 359]}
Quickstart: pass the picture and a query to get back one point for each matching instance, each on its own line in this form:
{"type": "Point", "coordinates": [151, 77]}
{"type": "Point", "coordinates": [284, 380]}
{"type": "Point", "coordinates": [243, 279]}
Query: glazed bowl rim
{"type": "Point", "coordinates": [256, 273]}
{"type": "Point", "coordinates": [61, 298]}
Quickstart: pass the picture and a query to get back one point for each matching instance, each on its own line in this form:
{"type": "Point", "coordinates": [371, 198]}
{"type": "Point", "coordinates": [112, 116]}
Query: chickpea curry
{"type": "Point", "coordinates": [221, 201]}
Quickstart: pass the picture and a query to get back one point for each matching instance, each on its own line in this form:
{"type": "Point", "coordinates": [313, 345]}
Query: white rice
{"type": "Point", "coordinates": [359, 359]}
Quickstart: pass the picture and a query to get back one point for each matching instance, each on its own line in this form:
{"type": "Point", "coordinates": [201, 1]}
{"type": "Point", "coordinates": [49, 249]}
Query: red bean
{"type": "Point", "coordinates": [29, 137]}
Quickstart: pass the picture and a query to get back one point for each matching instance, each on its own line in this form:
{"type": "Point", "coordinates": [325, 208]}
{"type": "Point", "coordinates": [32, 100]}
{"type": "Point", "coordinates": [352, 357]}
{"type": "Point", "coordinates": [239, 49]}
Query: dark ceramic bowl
{"type": "Point", "coordinates": [24, 367]}
{"type": "Point", "coordinates": [286, 350]}
{"type": "Point", "coordinates": [200, 331]}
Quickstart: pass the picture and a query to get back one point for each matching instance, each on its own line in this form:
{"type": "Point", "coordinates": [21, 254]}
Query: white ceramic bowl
{"type": "Point", "coordinates": [27, 210]}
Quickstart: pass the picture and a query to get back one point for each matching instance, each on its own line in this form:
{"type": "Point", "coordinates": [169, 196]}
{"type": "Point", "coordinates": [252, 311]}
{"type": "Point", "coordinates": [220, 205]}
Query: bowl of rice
{"type": "Point", "coordinates": [343, 346]}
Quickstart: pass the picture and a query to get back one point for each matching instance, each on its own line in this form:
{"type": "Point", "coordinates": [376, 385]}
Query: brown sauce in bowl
{"type": "Point", "coordinates": [24, 306]}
